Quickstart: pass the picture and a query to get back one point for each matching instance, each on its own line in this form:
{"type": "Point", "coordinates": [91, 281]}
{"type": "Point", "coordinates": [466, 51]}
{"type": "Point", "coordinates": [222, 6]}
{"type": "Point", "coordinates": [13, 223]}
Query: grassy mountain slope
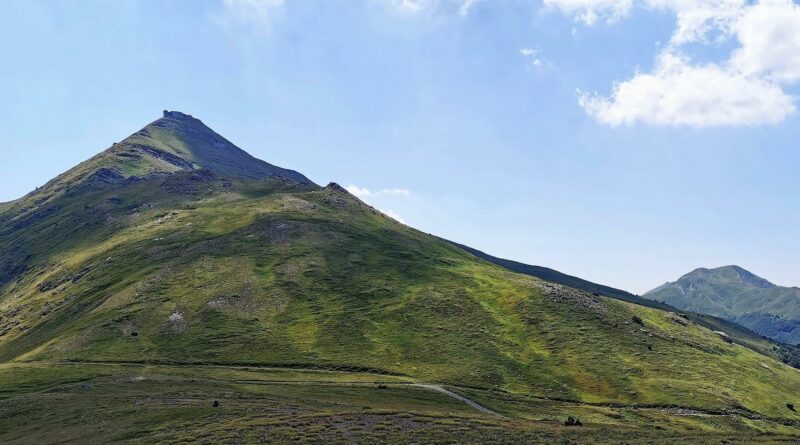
{"type": "Point", "coordinates": [736, 294]}
{"type": "Point", "coordinates": [193, 268]}
{"type": "Point", "coordinates": [738, 333]}
{"type": "Point", "coordinates": [174, 143]}
{"type": "Point", "coordinates": [555, 276]}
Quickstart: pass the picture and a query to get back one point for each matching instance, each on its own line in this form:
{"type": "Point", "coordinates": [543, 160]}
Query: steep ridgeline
{"type": "Point", "coordinates": [215, 260]}
{"type": "Point", "coordinates": [735, 294]}
{"type": "Point", "coordinates": [176, 142]}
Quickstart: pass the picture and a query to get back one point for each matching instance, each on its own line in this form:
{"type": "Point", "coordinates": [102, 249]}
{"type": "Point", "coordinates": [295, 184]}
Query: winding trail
{"type": "Point", "coordinates": [431, 387]}
{"type": "Point", "coordinates": [469, 402]}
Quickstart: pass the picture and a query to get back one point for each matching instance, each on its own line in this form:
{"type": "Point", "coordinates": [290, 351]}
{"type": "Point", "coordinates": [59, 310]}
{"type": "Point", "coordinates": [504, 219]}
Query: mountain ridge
{"type": "Point", "coordinates": [733, 293]}
{"type": "Point", "coordinates": [172, 143]}
{"type": "Point", "coordinates": [193, 267]}
{"type": "Point", "coordinates": [737, 332]}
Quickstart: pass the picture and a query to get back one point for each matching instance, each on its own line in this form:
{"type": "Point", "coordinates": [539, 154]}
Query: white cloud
{"type": "Point", "coordinates": [533, 56]}
{"type": "Point", "coordinates": [367, 193]}
{"type": "Point", "coordinates": [745, 89]}
{"type": "Point", "coordinates": [700, 20]}
{"type": "Point", "coordinates": [466, 5]}
{"type": "Point", "coordinates": [249, 12]}
{"type": "Point", "coordinates": [590, 11]}
{"type": "Point", "coordinates": [371, 196]}
{"type": "Point", "coordinates": [416, 6]}
{"type": "Point", "coordinates": [677, 93]}
{"type": "Point", "coordinates": [769, 35]}
{"type": "Point", "coordinates": [409, 5]}
{"type": "Point", "coordinates": [393, 215]}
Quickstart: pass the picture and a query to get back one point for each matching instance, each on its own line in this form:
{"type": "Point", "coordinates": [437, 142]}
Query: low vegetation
{"type": "Point", "coordinates": [129, 307]}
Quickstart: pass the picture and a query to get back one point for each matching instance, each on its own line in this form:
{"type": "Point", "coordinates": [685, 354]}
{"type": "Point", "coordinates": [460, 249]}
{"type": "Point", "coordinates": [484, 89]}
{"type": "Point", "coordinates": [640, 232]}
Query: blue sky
{"type": "Point", "coordinates": [623, 141]}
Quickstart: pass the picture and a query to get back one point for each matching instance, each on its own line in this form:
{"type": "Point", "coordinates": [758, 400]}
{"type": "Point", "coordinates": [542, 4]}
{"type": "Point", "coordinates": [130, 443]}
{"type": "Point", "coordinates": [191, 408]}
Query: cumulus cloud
{"type": "Point", "coordinates": [748, 88]}
{"type": "Point", "coordinates": [678, 93]}
{"type": "Point", "coordinates": [700, 20]}
{"type": "Point", "coordinates": [769, 35]}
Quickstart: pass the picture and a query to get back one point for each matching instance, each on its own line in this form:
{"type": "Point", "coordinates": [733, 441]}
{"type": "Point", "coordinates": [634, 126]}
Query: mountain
{"type": "Point", "coordinates": [738, 333]}
{"type": "Point", "coordinates": [555, 276]}
{"type": "Point", "coordinates": [174, 143]}
{"type": "Point", "coordinates": [735, 294]}
{"type": "Point", "coordinates": [173, 288]}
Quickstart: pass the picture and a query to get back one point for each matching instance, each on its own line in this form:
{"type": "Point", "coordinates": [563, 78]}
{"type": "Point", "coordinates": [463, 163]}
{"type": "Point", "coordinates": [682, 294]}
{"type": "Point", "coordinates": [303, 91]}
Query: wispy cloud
{"type": "Point", "coordinates": [367, 193]}
{"type": "Point", "coordinates": [418, 6]}
{"type": "Point", "coordinates": [748, 88]}
{"type": "Point", "coordinates": [378, 198]}
{"type": "Point", "coordinates": [590, 11]}
{"type": "Point", "coordinates": [392, 215]}
{"type": "Point", "coordinates": [258, 13]}
{"type": "Point", "coordinates": [466, 6]}
{"type": "Point", "coordinates": [534, 58]}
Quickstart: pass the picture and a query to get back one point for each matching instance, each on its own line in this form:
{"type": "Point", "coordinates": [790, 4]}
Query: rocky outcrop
{"type": "Point", "coordinates": [195, 181]}
{"type": "Point", "coordinates": [162, 155]}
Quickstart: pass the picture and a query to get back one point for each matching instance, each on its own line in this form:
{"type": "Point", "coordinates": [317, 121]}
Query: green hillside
{"type": "Point", "coordinates": [223, 264]}
{"type": "Point", "coordinates": [739, 334]}
{"type": "Point", "coordinates": [737, 295]}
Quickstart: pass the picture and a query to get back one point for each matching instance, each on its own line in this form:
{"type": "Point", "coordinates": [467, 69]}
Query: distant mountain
{"type": "Point", "coordinates": [738, 333]}
{"type": "Point", "coordinates": [735, 294]}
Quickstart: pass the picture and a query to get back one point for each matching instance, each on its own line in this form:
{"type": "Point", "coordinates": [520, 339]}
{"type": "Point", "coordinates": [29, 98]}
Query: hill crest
{"type": "Point", "coordinates": [733, 293]}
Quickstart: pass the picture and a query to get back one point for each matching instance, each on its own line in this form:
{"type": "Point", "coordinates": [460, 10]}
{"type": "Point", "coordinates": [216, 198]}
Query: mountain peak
{"type": "Point", "coordinates": [731, 273]}
{"type": "Point", "coordinates": [175, 142]}
{"type": "Point", "coordinates": [738, 295]}
{"type": "Point", "coordinates": [179, 115]}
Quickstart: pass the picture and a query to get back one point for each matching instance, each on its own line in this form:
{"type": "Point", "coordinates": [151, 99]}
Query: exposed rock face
{"type": "Point", "coordinates": [170, 158]}
{"type": "Point", "coordinates": [725, 337]}
{"type": "Point", "coordinates": [178, 115]}
{"type": "Point", "coordinates": [334, 187]}
{"type": "Point", "coordinates": [337, 196]}
{"type": "Point", "coordinates": [196, 181]}
{"type": "Point", "coordinates": [105, 176]}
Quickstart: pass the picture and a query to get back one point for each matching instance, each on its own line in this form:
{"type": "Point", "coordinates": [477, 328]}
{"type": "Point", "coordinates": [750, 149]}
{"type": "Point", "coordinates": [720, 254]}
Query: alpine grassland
{"type": "Point", "coordinates": [174, 289]}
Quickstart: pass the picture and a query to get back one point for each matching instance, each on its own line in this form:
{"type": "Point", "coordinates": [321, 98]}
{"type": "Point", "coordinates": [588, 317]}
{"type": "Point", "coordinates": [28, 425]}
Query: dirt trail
{"type": "Point", "coordinates": [469, 402]}
{"type": "Point", "coordinates": [430, 387]}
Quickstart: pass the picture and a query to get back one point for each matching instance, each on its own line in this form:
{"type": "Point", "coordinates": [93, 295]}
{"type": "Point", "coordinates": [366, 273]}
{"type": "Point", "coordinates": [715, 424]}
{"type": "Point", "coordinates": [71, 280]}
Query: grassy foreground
{"type": "Point", "coordinates": [101, 403]}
